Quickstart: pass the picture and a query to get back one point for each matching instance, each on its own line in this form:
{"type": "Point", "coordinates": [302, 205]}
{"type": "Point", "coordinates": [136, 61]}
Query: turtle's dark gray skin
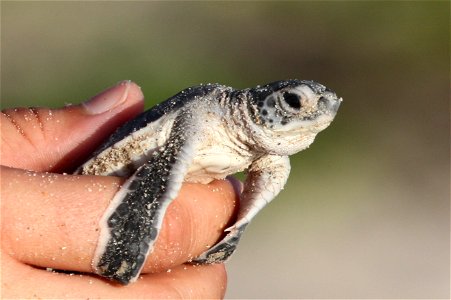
{"type": "Point", "coordinates": [203, 133]}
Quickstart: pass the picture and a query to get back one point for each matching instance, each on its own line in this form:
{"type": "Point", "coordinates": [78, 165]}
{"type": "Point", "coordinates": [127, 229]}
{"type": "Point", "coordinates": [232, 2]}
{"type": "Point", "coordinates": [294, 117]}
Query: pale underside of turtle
{"type": "Point", "coordinates": [203, 133]}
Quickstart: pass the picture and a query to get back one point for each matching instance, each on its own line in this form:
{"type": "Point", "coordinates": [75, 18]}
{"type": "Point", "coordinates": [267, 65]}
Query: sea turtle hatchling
{"type": "Point", "coordinates": [203, 133]}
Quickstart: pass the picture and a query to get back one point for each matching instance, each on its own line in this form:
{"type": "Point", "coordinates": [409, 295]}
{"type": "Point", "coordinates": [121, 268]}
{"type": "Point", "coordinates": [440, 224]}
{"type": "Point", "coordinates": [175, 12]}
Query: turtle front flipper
{"type": "Point", "coordinates": [133, 220]}
{"type": "Point", "coordinates": [266, 177]}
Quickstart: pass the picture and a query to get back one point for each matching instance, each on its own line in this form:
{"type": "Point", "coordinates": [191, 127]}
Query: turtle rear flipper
{"type": "Point", "coordinates": [266, 177]}
{"type": "Point", "coordinates": [133, 220]}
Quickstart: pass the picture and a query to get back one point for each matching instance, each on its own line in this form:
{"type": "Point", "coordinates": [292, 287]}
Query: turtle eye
{"type": "Point", "coordinates": [292, 100]}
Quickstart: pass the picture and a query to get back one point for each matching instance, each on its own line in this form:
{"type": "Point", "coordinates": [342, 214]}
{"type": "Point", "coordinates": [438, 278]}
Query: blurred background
{"type": "Point", "coordinates": [365, 213]}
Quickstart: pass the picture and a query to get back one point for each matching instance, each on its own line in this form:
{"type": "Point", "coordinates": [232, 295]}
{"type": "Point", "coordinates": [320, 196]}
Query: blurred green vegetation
{"type": "Point", "coordinates": [367, 204]}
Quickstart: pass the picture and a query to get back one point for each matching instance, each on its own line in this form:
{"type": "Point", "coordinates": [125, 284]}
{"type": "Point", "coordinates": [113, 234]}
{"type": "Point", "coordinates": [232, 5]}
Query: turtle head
{"type": "Point", "coordinates": [288, 114]}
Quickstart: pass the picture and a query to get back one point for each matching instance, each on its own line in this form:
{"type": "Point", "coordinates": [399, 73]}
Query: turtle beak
{"type": "Point", "coordinates": [330, 101]}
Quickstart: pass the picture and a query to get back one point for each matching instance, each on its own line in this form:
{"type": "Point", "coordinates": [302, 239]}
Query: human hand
{"type": "Point", "coordinates": [50, 220]}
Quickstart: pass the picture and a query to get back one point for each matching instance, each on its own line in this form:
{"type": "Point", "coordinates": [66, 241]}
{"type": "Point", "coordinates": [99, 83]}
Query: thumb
{"type": "Point", "coordinates": [42, 139]}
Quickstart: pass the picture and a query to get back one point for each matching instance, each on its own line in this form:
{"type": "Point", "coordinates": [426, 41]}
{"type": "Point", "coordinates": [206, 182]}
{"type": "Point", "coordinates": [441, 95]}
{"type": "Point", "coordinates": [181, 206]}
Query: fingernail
{"type": "Point", "coordinates": [108, 99]}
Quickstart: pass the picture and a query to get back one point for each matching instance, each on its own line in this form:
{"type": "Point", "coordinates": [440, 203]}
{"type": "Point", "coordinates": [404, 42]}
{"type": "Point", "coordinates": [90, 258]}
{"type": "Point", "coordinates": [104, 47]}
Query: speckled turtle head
{"type": "Point", "coordinates": [290, 113]}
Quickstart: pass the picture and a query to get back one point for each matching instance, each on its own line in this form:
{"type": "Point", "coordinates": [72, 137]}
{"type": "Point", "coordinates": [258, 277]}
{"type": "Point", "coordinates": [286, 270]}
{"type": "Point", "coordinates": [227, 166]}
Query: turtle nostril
{"type": "Point", "coordinates": [323, 101]}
